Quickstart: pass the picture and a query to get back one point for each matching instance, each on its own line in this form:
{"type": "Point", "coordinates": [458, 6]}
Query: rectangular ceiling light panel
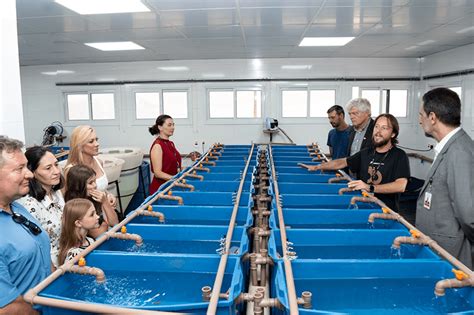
{"type": "Point", "coordinates": [113, 46]}
{"type": "Point", "coordinates": [325, 41]}
{"type": "Point", "coordinates": [84, 7]}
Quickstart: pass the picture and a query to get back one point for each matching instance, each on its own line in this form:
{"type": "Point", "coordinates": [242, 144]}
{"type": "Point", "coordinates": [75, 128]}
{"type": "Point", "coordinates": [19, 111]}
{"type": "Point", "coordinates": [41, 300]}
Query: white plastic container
{"type": "Point", "coordinates": [112, 167]}
{"type": "Point", "coordinates": [133, 157]}
{"type": "Point", "coordinates": [128, 181]}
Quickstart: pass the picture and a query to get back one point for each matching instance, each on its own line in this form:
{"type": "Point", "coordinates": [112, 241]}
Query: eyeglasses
{"type": "Point", "coordinates": [20, 219]}
{"type": "Point", "coordinates": [384, 128]}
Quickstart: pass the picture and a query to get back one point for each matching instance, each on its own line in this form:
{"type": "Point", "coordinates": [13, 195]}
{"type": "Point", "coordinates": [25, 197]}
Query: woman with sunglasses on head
{"type": "Point", "coordinates": [45, 200]}
{"type": "Point", "coordinates": [81, 183]}
{"type": "Point", "coordinates": [164, 157]}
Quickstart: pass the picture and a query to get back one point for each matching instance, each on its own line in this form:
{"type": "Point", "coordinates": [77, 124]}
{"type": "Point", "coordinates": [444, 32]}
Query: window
{"type": "Point", "coordinates": [295, 103]}
{"type": "Point", "coordinates": [175, 104]}
{"type": "Point", "coordinates": [373, 96]}
{"type": "Point", "coordinates": [249, 104]}
{"type": "Point", "coordinates": [81, 105]}
{"type": "Point", "coordinates": [78, 106]}
{"type": "Point", "coordinates": [393, 101]}
{"type": "Point", "coordinates": [320, 101]}
{"type": "Point", "coordinates": [148, 104]}
{"type": "Point", "coordinates": [221, 104]}
{"type": "Point", "coordinates": [235, 103]}
{"type": "Point", "coordinates": [458, 91]}
{"type": "Point", "coordinates": [102, 106]}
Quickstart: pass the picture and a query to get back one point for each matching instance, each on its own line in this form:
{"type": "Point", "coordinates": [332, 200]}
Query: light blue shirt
{"type": "Point", "coordinates": [24, 258]}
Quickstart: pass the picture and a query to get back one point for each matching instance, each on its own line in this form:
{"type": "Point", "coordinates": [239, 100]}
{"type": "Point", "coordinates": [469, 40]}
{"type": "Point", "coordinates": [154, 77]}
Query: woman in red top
{"type": "Point", "coordinates": [165, 159]}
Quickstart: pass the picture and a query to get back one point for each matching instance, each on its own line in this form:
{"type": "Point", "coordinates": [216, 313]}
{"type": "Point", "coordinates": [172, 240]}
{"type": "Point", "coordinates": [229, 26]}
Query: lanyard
{"type": "Point", "coordinates": [377, 167]}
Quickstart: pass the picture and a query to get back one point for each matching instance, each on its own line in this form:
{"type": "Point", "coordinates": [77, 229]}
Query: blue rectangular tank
{"type": "Point", "coordinates": [149, 282]}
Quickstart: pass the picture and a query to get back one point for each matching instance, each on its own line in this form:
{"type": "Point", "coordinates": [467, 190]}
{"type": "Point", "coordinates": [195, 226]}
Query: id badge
{"type": "Point", "coordinates": [427, 201]}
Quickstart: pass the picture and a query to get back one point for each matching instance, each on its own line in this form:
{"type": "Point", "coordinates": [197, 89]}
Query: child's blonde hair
{"type": "Point", "coordinates": [74, 209]}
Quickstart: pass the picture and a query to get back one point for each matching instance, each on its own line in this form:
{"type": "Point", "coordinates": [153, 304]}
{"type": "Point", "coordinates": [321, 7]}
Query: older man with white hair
{"type": "Point", "coordinates": [359, 110]}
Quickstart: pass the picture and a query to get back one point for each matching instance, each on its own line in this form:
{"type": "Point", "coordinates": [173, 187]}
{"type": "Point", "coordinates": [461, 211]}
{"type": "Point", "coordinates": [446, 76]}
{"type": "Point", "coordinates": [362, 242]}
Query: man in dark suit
{"type": "Point", "coordinates": [359, 110]}
{"type": "Point", "coordinates": [445, 207]}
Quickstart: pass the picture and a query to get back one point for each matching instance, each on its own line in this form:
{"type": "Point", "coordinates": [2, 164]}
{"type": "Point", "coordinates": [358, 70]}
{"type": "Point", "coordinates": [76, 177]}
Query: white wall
{"type": "Point", "coordinates": [11, 111]}
{"type": "Point", "coordinates": [458, 59]}
{"type": "Point", "coordinates": [43, 100]}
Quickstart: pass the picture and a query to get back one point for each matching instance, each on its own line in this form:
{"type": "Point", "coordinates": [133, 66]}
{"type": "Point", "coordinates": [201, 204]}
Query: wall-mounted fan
{"type": "Point", "coordinates": [53, 134]}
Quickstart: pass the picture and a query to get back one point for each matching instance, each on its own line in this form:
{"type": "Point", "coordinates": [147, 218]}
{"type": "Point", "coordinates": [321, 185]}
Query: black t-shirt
{"type": "Point", "coordinates": [381, 168]}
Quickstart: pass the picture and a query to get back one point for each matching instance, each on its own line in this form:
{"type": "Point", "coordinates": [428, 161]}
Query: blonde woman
{"type": "Point", "coordinates": [84, 148]}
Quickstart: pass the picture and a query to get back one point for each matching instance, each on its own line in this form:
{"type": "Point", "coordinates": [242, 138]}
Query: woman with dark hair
{"type": "Point", "coordinates": [45, 200]}
{"type": "Point", "coordinates": [164, 157]}
{"type": "Point", "coordinates": [81, 183]}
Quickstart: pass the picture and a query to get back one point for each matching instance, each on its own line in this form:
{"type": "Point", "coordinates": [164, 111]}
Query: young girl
{"type": "Point", "coordinates": [79, 217]}
{"type": "Point", "coordinates": [80, 183]}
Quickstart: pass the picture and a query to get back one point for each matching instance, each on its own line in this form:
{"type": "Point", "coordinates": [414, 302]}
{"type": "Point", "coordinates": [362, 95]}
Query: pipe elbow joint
{"type": "Point", "coordinates": [305, 300]}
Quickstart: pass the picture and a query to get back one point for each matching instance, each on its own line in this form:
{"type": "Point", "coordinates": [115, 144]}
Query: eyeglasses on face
{"type": "Point", "coordinates": [384, 128]}
{"type": "Point", "coordinates": [20, 219]}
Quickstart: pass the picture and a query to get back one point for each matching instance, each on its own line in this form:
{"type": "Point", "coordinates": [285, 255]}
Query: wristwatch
{"type": "Point", "coordinates": [371, 188]}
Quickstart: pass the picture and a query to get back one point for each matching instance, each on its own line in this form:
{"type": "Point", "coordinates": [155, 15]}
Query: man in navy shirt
{"type": "Point", "coordinates": [338, 138]}
{"type": "Point", "coordinates": [24, 247]}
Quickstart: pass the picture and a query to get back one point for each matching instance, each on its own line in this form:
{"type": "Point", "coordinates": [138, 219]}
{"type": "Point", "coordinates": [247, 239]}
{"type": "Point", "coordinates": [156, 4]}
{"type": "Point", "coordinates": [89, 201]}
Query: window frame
{"type": "Point", "coordinates": [248, 86]}
{"type": "Point", "coordinates": [308, 86]}
{"type": "Point", "coordinates": [114, 90]}
{"type": "Point", "coordinates": [132, 89]}
{"type": "Point", "coordinates": [393, 85]}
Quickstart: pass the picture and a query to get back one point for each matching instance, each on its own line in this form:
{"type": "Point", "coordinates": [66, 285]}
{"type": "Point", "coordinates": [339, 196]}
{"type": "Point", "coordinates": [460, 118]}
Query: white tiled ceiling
{"type": "Point", "coordinates": [224, 29]}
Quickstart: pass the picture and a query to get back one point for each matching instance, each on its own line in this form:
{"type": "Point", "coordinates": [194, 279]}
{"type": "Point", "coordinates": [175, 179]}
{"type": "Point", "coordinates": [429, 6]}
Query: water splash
{"type": "Point", "coordinates": [396, 253]}
{"type": "Point", "coordinates": [353, 206]}
{"type": "Point", "coordinates": [150, 300]}
{"type": "Point", "coordinates": [137, 249]}
{"type": "Point", "coordinates": [440, 302]}
{"type": "Point", "coordinates": [371, 225]}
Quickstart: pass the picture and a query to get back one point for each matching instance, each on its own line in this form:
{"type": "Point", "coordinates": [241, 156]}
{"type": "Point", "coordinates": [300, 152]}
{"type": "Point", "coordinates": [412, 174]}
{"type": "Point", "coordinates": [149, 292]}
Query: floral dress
{"type": "Point", "coordinates": [74, 251]}
{"type": "Point", "coordinates": [48, 212]}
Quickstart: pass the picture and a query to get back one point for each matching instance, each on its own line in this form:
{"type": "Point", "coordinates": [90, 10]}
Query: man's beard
{"type": "Point", "coordinates": [428, 135]}
{"type": "Point", "coordinates": [381, 143]}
